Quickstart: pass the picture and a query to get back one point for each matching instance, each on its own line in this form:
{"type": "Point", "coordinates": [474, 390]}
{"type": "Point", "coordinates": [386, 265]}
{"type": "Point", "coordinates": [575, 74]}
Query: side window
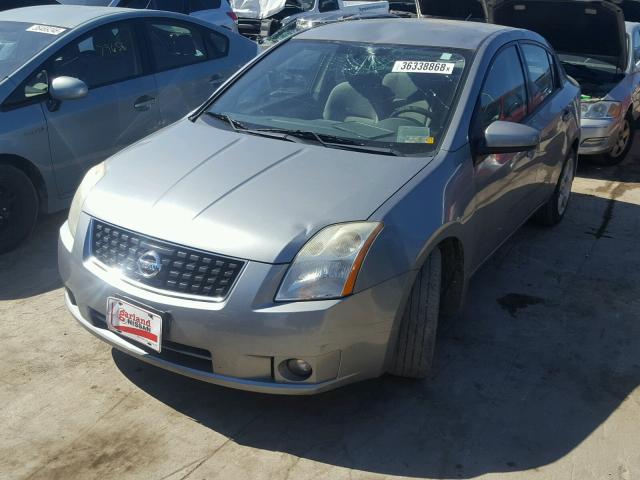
{"type": "Point", "coordinates": [217, 44]}
{"type": "Point", "coordinates": [540, 74]}
{"type": "Point", "coordinates": [198, 5]}
{"type": "Point", "coordinates": [636, 46]}
{"type": "Point", "coordinates": [108, 54]}
{"type": "Point", "coordinates": [328, 5]}
{"type": "Point", "coordinates": [175, 44]}
{"type": "Point", "coordinates": [503, 95]}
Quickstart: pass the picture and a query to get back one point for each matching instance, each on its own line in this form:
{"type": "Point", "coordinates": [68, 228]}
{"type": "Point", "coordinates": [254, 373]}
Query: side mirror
{"type": "Point", "coordinates": [507, 137]}
{"type": "Point", "coordinates": [68, 88]}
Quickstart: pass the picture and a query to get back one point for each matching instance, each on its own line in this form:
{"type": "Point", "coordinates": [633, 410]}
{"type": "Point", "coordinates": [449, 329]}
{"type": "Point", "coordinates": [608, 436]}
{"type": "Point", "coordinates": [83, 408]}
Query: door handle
{"type": "Point", "coordinates": [566, 114]}
{"type": "Point", "coordinates": [143, 103]}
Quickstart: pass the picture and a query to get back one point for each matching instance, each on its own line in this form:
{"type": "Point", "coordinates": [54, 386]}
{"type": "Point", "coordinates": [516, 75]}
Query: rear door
{"type": "Point", "coordinates": [190, 62]}
{"type": "Point", "coordinates": [119, 109]}
{"type": "Point", "coordinates": [549, 113]}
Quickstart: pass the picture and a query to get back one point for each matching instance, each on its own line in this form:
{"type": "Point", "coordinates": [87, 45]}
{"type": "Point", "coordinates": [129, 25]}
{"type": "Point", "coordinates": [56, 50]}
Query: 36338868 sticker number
{"type": "Point", "coordinates": [414, 66]}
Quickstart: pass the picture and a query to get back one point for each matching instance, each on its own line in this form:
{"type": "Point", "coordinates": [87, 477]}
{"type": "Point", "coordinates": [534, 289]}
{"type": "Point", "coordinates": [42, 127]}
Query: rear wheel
{"type": "Point", "coordinates": [553, 211]}
{"type": "Point", "coordinates": [18, 207]}
{"type": "Point", "coordinates": [414, 349]}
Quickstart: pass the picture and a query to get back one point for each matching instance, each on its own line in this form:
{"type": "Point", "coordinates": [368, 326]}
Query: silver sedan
{"type": "Point", "coordinates": [77, 84]}
{"type": "Point", "coordinates": [308, 226]}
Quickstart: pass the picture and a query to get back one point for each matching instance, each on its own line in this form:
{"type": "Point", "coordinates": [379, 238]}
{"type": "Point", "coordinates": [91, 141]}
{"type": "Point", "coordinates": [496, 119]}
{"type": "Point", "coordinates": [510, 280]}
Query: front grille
{"type": "Point", "coordinates": [180, 269]}
{"type": "Point", "coordinates": [184, 355]}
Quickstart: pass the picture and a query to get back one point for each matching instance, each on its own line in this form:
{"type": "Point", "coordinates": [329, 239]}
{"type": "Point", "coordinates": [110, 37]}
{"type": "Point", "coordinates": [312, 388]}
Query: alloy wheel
{"type": "Point", "coordinates": [624, 135]}
{"type": "Point", "coordinates": [564, 190]}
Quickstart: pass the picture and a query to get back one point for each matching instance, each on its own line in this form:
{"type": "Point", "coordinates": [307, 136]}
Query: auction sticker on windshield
{"type": "Point", "coordinates": [412, 66]}
{"type": "Point", "coordinates": [135, 323]}
{"type": "Point", "coordinates": [46, 29]}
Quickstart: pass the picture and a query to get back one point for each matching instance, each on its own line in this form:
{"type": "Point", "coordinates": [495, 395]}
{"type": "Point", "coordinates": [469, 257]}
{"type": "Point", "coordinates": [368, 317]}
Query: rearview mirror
{"type": "Point", "coordinates": [68, 88]}
{"type": "Point", "coordinates": [508, 137]}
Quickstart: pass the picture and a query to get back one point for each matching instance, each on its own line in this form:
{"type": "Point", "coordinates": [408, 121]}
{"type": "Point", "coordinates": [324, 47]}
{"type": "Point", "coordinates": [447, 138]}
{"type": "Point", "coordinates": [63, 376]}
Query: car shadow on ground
{"type": "Point", "coordinates": [32, 268]}
{"type": "Point", "coordinates": [535, 363]}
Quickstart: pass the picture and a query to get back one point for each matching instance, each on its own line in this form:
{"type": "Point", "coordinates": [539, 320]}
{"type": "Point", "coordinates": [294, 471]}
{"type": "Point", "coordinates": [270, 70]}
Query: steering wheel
{"type": "Point", "coordinates": [411, 109]}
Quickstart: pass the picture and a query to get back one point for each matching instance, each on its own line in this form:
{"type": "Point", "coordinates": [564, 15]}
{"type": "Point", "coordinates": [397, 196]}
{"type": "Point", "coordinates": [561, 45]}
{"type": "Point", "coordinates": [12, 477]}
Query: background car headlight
{"type": "Point", "coordinates": [603, 109]}
{"type": "Point", "coordinates": [328, 264]}
{"type": "Point", "coordinates": [93, 176]}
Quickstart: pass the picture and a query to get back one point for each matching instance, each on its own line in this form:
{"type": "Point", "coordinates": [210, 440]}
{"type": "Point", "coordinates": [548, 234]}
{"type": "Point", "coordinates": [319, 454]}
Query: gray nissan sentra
{"type": "Point", "coordinates": [309, 224]}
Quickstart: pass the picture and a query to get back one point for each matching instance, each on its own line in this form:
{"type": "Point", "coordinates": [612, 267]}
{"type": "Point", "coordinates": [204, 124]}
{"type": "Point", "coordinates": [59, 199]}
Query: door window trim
{"type": "Point", "coordinates": [473, 128]}
{"type": "Point", "coordinates": [556, 78]}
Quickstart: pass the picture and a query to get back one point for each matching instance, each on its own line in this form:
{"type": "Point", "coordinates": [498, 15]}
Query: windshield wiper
{"type": "Point", "coordinates": [236, 125]}
{"type": "Point", "coordinates": [332, 141]}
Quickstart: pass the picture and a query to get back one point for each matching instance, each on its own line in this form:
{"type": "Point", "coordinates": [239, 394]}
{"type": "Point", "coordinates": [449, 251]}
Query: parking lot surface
{"type": "Point", "coordinates": [537, 379]}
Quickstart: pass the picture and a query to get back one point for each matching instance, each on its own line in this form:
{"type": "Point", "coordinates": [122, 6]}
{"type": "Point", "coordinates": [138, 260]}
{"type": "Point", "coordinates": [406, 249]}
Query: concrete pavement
{"type": "Point", "coordinates": [538, 379]}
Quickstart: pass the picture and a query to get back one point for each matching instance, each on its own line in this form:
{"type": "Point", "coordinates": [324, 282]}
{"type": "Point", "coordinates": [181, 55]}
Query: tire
{"type": "Point", "coordinates": [624, 142]}
{"type": "Point", "coordinates": [415, 345]}
{"type": "Point", "coordinates": [552, 212]}
{"type": "Point", "coordinates": [18, 207]}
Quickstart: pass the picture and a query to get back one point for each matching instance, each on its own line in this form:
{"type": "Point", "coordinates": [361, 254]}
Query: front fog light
{"type": "Point", "coordinates": [295, 369]}
{"type": "Point", "coordinates": [328, 264]}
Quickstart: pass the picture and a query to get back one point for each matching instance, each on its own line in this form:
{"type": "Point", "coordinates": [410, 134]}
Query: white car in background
{"type": "Point", "coordinates": [216, 12]}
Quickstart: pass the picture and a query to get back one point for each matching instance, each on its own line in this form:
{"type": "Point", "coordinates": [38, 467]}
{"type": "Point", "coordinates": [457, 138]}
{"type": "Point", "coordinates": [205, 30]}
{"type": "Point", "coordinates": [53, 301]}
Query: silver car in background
{"type": "Point", "coordinates": [306, 227]}
{"type": "Point", "coordinates": [216, 12]}
{"type": "Point", "coordinates": [602, 53]}
{"type": "Point", "coordinates": [77, 84]}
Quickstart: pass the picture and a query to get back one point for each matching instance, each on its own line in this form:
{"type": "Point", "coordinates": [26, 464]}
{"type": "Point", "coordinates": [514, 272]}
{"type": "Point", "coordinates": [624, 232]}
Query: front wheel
{"type": "Point", "coordinates": [415, 345]}
{"type": "Point", "coordinates": [553, 211]}
{"type": "Point", "coordinates": [18, 207]}
{"type": "Point", "coordinates": [622, 144]}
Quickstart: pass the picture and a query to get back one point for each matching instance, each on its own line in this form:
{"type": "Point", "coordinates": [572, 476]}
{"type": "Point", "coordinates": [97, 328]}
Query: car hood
{"type": "Point", "coordinates": [241, 195]}
{"type": "Point", "coordinates": [582, 27]}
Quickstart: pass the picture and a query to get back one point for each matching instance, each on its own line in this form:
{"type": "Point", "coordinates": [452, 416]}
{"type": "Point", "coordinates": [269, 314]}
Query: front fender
{"type": "Point", "coordinates": [433, 206]}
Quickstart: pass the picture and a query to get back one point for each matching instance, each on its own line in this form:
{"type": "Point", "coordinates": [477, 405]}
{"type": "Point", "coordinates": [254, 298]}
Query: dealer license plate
{"type": "Point", "coordinates": [136, 323]}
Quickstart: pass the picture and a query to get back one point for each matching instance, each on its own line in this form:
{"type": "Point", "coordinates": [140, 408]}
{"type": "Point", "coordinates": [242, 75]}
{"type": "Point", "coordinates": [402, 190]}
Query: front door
{"type": "Point", "coordinates": [504, 182]}
{"type": "Point", "coordinates": [120, 108]}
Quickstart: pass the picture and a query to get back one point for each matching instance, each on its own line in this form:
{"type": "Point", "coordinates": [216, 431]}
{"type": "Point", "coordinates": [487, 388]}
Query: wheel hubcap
{"type": "Point", "coordinates": [622, 140]}
{"type": "Point", "coordinates": [564, 192]}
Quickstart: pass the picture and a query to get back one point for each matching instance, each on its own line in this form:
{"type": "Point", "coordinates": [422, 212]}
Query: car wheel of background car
{"type": "Point", "coordinates": [415, 345]}
{"type": "Point", "coordinates": [622, 144]}
{"type": "Point", "coordinates": [18, 207]}
{"type": "Point", "coordinates": [552, 212]}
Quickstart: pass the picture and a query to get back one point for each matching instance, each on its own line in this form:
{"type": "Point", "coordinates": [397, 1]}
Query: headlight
{"type": "Point", "coordinates": [603, 109]}
{"type": "Point", "coordinates": [89, 181]}
{"type": "Point", "coordinates": [328, 264]}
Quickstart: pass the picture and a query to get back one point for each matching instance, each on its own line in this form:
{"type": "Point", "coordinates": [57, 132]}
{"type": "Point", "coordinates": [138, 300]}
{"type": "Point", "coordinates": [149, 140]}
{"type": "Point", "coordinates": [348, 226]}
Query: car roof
{"type": "Point", "coordinates": [412, 31]}
{"type": "Point", "coordinates": [67, 16]}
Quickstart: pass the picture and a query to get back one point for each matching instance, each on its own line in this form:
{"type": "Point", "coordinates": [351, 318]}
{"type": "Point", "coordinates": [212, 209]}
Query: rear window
{"type": "Point", "coordinates": [199, 5]}
{"type": "Point", "coordinates": [88, 3]}
{"type": "Point", "coordinates": [176, 6]}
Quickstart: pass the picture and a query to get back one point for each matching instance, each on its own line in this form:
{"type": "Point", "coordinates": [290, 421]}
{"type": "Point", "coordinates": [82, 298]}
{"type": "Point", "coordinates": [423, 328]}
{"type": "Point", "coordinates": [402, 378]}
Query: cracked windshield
{"type": "Point", "coordinates": [393, 98]}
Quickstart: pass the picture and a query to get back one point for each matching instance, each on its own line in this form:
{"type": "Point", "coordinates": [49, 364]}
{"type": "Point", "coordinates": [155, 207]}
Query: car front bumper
{"type": "Point", "coordinates": [598, 136]}
{"type": "Point", "coordinates": [248, 335]}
